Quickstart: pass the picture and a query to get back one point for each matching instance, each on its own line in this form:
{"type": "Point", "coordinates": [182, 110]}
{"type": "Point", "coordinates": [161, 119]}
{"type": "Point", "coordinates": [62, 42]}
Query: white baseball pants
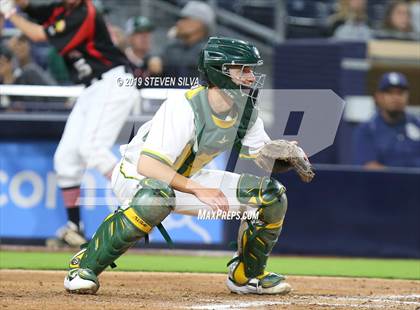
{"type": "Point", "coordinates": [92, 128]}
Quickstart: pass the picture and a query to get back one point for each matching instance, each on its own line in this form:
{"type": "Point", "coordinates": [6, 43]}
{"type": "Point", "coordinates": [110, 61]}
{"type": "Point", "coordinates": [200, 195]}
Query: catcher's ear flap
{"type": "Point", "coordinates": [203, 79]}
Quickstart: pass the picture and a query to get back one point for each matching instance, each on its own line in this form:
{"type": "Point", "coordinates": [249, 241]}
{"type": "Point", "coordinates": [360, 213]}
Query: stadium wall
{"type": "Point", "coordinates": [344, 211]}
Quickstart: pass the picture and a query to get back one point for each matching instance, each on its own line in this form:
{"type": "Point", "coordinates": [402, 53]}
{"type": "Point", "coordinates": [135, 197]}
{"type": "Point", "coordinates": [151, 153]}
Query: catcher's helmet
{"type": "Point", "coordinates": [218, 54]}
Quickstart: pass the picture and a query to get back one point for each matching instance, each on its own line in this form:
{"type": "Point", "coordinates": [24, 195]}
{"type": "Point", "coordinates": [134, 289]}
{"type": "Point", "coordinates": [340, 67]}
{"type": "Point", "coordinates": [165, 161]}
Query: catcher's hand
{"type": "Point", "coordinates": [281, 155]}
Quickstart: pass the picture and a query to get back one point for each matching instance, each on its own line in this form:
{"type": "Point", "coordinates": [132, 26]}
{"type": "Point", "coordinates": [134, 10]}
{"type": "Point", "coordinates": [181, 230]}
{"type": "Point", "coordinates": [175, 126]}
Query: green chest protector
{"type": "Point", "coordinates": [213, 134]}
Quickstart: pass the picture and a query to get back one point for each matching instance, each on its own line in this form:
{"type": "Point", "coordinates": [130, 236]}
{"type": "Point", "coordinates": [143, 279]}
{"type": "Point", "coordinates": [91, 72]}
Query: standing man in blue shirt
{"type": "Point", "coordinates": [392, 136]}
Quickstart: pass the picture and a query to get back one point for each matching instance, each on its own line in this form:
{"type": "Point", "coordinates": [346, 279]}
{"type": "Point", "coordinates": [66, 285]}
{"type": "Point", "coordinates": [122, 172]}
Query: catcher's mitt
{"type": "Point", "coordinates": [280, 155]}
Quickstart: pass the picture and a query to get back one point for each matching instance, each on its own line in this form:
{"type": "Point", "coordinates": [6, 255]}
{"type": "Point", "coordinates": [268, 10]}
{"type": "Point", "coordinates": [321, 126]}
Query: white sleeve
{"type": "Point", "coordinates": [254, 139]}
{"type": "Point", "coordinates": [171, 129]}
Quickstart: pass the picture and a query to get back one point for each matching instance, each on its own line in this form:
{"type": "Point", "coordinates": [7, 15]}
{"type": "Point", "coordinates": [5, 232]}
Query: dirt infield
{"type": "Point", "coordinates": [128, 290]}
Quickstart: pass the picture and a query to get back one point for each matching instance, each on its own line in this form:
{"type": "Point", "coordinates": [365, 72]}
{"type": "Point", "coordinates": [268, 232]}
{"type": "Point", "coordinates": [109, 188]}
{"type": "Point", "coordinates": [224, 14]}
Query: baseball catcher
{"type": "Point", "coordinates": [161, 171]}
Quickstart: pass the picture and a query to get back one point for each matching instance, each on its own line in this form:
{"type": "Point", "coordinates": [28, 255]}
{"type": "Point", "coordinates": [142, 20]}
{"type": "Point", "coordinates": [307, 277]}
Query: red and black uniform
{"type": "Point", "coordinates": [80, 35]}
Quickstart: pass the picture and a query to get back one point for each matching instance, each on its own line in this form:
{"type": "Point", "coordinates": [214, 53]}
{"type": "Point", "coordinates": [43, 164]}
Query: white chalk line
{"type": "Point", "coordinates": [412, 296]}
{"type": "Point", "coordinates": [242, 305]}
{"type": "Point", "coordinates": [323, 301]}
{"type": "Point", "coordinates": [383, 299]}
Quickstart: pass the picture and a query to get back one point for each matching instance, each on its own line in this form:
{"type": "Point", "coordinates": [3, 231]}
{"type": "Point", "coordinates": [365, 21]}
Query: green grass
{"type": "Point", "coordinates": [346, 267]}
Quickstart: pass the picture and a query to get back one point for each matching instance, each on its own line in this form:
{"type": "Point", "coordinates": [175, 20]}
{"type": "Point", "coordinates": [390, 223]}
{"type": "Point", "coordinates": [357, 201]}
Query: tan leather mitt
{"type": "Point", "coordinates": [280, 155]}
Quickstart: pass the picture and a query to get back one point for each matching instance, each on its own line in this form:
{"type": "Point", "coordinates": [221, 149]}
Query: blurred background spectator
{"type": "Point", "coordinates": [17, 67]}
{"type": "Point", "coordinates": [139, 31]}
{"type": "Point", "coordinates": [6, 66]}
{"type": "Point", "coordinates": [188, 37]}
{"type": "Point", "coordinates": [351, 21]}
{"type": "Point", "coordinates": [27, 71]}
{"type": "Point", "coordinates": [1, 28]}
{"type": "Point", "coordinates": [392, 136]}
{"type": "Point", "coordinates": [415, 15]}
{"type": "Point", "coordinates": [397, 22]}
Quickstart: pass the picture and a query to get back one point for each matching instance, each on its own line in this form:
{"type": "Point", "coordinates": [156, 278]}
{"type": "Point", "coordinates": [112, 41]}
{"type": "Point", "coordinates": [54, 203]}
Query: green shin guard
{"type": "Point", "coordinates": [122, 229]}
{"type": "Point", "coordinates": [256, 239]}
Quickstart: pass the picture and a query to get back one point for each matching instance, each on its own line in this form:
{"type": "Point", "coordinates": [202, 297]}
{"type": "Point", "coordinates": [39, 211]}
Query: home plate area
{"type": "Point", "coordinates": [25, 289]}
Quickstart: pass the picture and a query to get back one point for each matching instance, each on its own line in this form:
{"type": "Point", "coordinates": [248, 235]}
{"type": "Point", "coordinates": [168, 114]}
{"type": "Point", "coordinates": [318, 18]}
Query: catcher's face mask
{"type": "Point", "coordinates": [245, 77]}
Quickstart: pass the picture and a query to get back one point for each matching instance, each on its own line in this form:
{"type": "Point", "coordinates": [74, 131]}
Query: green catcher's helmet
{"type": "Point", "coordinates": [219, 54]}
